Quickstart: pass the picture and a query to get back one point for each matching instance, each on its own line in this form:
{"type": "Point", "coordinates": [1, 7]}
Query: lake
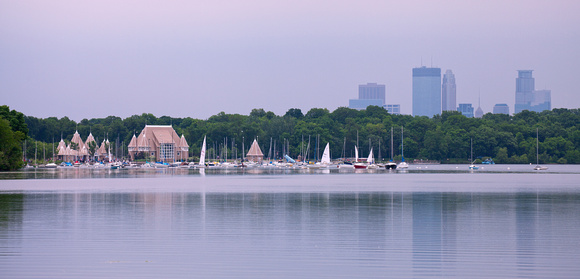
{"type": "Point", "coordinates": [502, 221]}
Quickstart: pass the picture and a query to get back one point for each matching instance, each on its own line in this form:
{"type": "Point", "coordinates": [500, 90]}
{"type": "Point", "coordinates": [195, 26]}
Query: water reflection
{"type": "Point", "coordinates": [288, 234]}
{"type": "Point", "coordinates": [77, 173]}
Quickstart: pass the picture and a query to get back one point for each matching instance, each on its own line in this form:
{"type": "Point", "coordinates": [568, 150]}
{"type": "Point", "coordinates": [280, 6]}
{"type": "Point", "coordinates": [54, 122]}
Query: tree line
{"type": "Point", "coordinates": [13, 131]}
{"type": "Point", "coordinates": [445, 138]}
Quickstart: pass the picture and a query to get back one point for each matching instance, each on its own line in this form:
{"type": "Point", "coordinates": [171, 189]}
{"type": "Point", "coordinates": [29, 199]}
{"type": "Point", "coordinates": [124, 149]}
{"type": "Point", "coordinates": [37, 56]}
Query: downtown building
{"type": "Point", "coordinates": [370, 94]}
{"type": "Point", "coordinates": [501, 109]}
{"type": "Point", "coordinates": [466, 109]}
{"type": "Point", "coordinates": [527, 97]}
{"type": "Point", "coordinates": [448, 92]}
{"type": "Point", "coordinates": [426, 91]}
{"type": "Point", "coordinates": [373, 94]}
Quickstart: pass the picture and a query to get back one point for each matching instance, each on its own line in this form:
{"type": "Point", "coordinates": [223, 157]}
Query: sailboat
{"type": "Point", "coordinates": [402, 165]}
{"type": "Point", "coordinates": [538, 167]}
{"type": "Point", "coordinates": [391, 165]}
{"type": "Point", "coordinates": [358, 165]}
{"type": "Point", "coordinates": [371, 161]}
{"type": "Point", "coordinates": [326, 155]}
{"type": "Point", "coordinates": [202, 155]}
{"type": "Point", "coordinates": [472, 166]}
{"type": "Point", "coordinates": [324, 161]}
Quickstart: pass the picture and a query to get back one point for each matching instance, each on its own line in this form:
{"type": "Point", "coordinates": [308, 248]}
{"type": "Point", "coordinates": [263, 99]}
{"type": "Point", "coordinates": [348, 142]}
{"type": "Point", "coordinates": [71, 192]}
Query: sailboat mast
{"type": "Point", "coordinates": [344, 149]}
{"type": "Point", "coordinates": [537, 148]}
{"type": "Point", "coordinates": [402, 157]}
{"type": "Point", "coordinates": [391, 143]}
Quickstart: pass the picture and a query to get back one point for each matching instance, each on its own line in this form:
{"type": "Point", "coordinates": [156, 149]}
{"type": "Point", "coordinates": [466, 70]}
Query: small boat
{"type": "Point", "coordinates": [356, 164]}
{"type": "Point", "coordinates": [161, 165]}
{"type": "Point", "coordinates": [391, 165]}
{"type": "Point", "coordinates": [488, 161]}
{"type": "Point", "coordinates": [472, 166]}
{"type": "Point", "coordinates": [29, 167]}
{"type": "Point", "coordinates": [538, 167]}
{"type": "Point", "coordinates": [371, 161]}
{"type": "Point", "coordinates": [402, 165]}
{"type": "Point", "coordinates": [51, 166]}
{"type": "Point", "coordinates": [202, 155]}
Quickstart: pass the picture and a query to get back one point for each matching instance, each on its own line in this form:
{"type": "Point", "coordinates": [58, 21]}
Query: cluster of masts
{"type": "Point", "coordinates": [79, 150]}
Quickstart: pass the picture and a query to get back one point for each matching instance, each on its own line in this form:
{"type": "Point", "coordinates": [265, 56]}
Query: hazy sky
{"type": "Point", "coordinates": [92, 59]}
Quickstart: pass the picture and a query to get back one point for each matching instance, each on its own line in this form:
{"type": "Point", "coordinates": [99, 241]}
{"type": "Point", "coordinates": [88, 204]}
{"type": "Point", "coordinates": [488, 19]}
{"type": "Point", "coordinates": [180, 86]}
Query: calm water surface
{"type": "Point", "coordinates": [436, 221]}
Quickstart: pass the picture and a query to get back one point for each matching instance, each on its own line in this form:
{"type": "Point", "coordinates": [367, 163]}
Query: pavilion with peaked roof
{"type": "Point", "coordinates": [102, 152]}
{"type": "Point", "coordinates": [81, 152]}
{"type": "Point", "coordinates": [255, 153]}
{"type": "Point", "coordinates": [161, 142]}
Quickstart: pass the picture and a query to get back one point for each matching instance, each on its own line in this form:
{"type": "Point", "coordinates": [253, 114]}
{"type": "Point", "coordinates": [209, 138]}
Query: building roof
{"type": "Point", "coordinates": [478, 112]}
{"type": "Point", "coordinates": [77, 139]}
{"type": "Point", "coordinates": [89, 138]}
{"type": "Point", "coordinates": [133, 142]}
{"type": "Point", "coordinates": [102, 149]}
{"type": "Point", "coordinates": [183, 142]}
{"type": "Point", "coordinates": [255, 150]}
{"type": "Point", "coordinates": [153, 135]}
{"type": "Point", "coordinates": [61, 144]}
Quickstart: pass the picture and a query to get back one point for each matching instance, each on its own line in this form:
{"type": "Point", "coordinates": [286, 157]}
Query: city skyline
{"type": "Point", "coordinates": [195, 59]}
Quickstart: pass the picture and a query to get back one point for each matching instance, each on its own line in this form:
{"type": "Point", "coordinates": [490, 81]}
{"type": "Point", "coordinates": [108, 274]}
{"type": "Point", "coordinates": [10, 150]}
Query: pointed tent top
{"type": "Point", "coordinates": [143, 141]}
{"type": "Point", "coordinates": [133, 142]}
{"type": "Point", "coordinates": [61, 144]}
{"type": "Point", "coordinates": [183, 142]}
{"type": "Point", "coordinates": [77, 139]}
{"type": "Point", "coordinates": [255, 150]}
{"type": "Point", "coordinates": [89, 138]}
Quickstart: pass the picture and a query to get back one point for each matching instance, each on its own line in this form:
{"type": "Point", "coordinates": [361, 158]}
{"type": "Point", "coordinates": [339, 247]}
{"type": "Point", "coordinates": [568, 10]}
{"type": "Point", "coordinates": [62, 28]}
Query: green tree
{"type": "Point", "coordinates": [92, 148]}
{"type": "Point", "coordinates": [10, 150]}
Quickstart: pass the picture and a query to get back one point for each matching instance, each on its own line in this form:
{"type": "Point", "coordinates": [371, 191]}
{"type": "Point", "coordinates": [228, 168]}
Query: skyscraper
{"type": "Point", "coordinates": [466, 109]}
{"type": "Point", "coordinates": [370, 94]}
{"type": "Point", "coordinates": [501, 108]}
{"type": "Point", "coordinates": [527, 98]}
{"type": "Point", "coordinates": [524, 90]}
{"type": "Point", "coordinates": [448, 92]}
{"type": "Point", "coordinates": [426, 91]}
{"type": "Point", "coordinates": [371, 91]}
{"type": "Point", "coordinates": [478, 111]}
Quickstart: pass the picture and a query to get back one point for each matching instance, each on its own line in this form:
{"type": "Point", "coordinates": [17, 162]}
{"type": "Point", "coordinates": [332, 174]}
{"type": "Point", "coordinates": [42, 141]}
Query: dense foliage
{"type": "Point", "coordinates": [13, 131]}
{"type": "Point", "coordinates": [446, 137]}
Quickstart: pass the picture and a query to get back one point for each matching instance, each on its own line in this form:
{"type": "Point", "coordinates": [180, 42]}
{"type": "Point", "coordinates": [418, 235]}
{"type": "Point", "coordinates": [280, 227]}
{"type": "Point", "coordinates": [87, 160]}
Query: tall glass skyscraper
{"type": "Point", "coordinates": [448, 92]}
{"type": "Point", "coordinates": [524, 90]}
{"type": "Point", "coordinates": [527, 98]}
{"type": "Point", "coordinates": [426, 91]}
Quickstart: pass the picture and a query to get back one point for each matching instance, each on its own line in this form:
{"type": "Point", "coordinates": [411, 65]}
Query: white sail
{"type": "Point", "coordinates": [202, 155]}
{"type": "Point", "coordinates": [371, 159]}
{"type": "Point", "coordinates": [326, 155]}
{"type": "Point", "coordinates": [355, 154]}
